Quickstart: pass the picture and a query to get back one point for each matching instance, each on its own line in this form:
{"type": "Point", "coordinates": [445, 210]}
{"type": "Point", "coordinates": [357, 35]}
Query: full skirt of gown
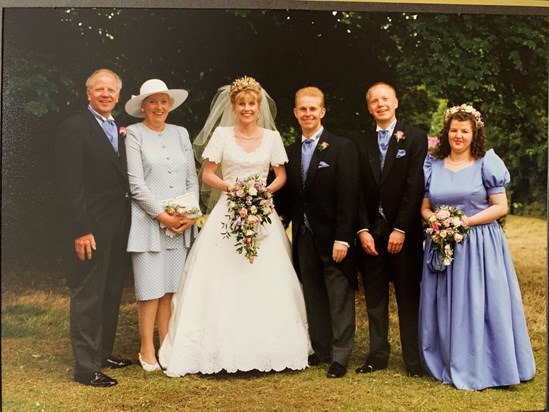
{"type": "Point", "coordinates": [233, 315]}
{"type": "Point", "coordinates": [473, 331]}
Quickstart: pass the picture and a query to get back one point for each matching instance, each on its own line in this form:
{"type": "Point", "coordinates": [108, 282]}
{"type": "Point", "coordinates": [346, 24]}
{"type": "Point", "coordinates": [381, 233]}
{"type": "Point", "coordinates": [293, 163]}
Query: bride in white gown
{"type": "Point", "coordinates": [230, 314]}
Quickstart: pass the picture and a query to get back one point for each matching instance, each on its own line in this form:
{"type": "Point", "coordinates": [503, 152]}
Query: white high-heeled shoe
{"type": "Point", "coordinates": [147, 366]}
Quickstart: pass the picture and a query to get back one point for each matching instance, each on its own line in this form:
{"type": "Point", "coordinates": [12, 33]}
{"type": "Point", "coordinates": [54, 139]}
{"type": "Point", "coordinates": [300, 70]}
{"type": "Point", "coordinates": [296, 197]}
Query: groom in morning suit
{"type": "Point", "coordinates": [390, 237]}
{"type": "Point", "coordinates": [93, 189]}
{"type": "Point", "coordinates": [323, 185]}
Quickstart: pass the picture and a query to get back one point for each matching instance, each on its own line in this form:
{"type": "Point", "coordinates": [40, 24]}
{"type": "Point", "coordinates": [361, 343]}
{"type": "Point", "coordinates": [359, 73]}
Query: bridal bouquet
{"type": "Point", "coordinates": [446, 228]}
{"type": "Point", "coordinates": [249, 204]}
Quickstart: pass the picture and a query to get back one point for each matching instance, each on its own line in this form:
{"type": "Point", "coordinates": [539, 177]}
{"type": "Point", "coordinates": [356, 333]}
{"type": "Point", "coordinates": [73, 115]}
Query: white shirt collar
{"type": "Point", "coordinates": [98, 116]}
{"type": "Point", "coordinates": [389, 129]}
{"type": "Point", "coordinates": [315, 137]}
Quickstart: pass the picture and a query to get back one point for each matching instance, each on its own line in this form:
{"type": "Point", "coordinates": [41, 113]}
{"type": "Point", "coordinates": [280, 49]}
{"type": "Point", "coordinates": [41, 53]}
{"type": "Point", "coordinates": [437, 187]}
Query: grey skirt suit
{"type": "Point", "coordinates": [160, 166]}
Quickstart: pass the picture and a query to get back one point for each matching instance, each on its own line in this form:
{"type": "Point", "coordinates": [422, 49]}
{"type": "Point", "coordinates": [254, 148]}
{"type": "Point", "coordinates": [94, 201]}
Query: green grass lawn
{"type": "Point", "coordinates": [37, 358]}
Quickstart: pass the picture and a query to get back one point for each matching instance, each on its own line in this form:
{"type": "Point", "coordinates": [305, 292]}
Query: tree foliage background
{"type": "Point", "coordinates": [496, 62]}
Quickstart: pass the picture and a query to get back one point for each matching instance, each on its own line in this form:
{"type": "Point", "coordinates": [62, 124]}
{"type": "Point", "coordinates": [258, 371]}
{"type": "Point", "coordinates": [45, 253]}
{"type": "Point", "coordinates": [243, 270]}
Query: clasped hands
{"type": "Point", "coordinates": [176, 224]}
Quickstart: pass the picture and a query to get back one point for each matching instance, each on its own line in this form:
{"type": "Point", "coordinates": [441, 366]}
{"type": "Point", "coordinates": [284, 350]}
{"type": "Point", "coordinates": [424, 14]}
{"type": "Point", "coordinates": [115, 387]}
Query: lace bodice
{"type": "Point", "coordinates": [236, 162]}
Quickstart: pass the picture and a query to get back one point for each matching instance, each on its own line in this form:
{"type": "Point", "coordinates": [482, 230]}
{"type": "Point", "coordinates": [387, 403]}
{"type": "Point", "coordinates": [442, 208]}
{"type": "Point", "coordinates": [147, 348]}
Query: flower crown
{"type": "Point", "coordinates": [244, 83]}
{"type": "Point", "coordinates": [466, 108]}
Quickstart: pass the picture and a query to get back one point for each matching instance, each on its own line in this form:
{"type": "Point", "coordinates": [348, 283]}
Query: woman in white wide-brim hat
{"type": "Point", "coordinates": [160, 166]}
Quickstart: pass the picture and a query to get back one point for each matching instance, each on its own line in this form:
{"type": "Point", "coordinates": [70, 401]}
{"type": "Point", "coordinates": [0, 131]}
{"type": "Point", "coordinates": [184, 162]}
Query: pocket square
{"type": "Point", "coordinates": [401, 153]}
{"type": "Point", "coordinates": [322, 165]}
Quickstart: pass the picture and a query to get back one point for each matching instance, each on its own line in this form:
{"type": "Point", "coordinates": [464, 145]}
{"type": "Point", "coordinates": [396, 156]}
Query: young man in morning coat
{"type": "Point", "coordinates": [389, 246]}
{"type": "Point", "coordinates": [323, 200]}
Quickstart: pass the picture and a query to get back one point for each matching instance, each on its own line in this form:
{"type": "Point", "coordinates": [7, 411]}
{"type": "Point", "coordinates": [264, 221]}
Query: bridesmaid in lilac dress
{"type": "Point", "coordinates": [473, 333]}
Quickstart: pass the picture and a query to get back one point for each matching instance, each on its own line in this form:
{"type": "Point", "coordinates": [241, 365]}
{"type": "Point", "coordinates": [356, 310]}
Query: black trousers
{"type": "Point", "coordinates": [329, 300]}
{"type": "Point", "coordinates": [404, 270]}
{"type": "Point", "coordinates": [96, 291]}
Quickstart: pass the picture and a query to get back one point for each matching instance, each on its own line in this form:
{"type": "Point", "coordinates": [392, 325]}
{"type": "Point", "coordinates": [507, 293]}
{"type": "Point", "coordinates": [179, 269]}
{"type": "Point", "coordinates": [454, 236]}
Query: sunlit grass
{"type": "Point", "coordinates": [37, 359]}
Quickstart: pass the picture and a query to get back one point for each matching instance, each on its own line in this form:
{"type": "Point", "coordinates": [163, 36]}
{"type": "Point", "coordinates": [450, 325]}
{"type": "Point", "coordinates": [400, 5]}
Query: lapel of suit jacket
{"type": "Point", "coordinates": [315, 160]}
{"type": "Point", "coordinates": [294, 164]}
{"type": "Point", "coordinates": [373, 154]}
{"type": "Point", "coordinates": [101, 139]}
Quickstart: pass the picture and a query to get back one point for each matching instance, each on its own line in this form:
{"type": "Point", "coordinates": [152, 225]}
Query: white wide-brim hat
{"type": "Point", "coordinates": [153, 86]}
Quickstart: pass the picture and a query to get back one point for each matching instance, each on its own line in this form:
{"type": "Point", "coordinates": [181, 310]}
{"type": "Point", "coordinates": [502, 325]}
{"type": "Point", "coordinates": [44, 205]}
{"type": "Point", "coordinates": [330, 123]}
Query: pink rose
{"type": "Point", "coordinates": [443, 214]}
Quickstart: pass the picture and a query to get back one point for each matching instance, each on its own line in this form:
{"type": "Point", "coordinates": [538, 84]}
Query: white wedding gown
{"type": "Point", "coordinates": [230, 314]}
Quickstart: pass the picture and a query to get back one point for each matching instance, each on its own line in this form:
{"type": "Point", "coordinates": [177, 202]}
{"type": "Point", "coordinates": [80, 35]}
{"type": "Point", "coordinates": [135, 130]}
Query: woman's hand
{"type": "Point", "coordinates": [426, 209]}
{"type": "Point", "coordinates": [176, 224]}
{"type": "Point", "coordinates": [211, 179]}
{"type": "Point", "coordinates": [184, 224]}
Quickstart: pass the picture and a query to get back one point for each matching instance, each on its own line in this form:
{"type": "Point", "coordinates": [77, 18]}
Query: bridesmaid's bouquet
{"type": "Point", "coordinates": [446, 227]}
{"type": "Point", "coordinates": [250, 205]}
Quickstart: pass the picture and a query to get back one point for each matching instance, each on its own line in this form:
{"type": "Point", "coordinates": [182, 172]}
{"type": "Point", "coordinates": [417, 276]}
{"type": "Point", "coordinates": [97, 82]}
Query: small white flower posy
{"type": "Point", "coordinates": [399, 135]}
{"type": "Point", "coordinates": [323, 146]}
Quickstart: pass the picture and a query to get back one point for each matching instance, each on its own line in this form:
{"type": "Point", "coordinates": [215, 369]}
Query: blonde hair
{"type": "Point", "coordinates": [310, 91]}
{"type": "Point", "coordinates": [244, 85]}
{"type": "Point", "coordinates": [379, 84]}
{"type": "Point", "coordinates": [89, 80]}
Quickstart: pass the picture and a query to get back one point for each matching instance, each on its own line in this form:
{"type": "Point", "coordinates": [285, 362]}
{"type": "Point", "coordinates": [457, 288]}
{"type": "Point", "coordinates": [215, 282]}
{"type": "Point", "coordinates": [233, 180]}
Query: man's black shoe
{"type": "Point", "coordinates": [315, 360]}
{"type": "Point", "coordinates": [115, 363]}
{"type": "Point", "coordinates": [417, 372]}
{"type": "Point", "coordinates": [337, 370]}
{"type": "Point", "coordinates": [368, 368]}
{"type": "Point", "coordinates": [95, 379]}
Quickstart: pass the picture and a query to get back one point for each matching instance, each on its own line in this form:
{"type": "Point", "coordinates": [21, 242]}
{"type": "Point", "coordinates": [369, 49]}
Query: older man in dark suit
{"type": "Point", "coordinates": [94, 191]}
{"type": "Point", "coordinates": [323, 185]}
{"type": "Point", "coordinates": [391, 160]}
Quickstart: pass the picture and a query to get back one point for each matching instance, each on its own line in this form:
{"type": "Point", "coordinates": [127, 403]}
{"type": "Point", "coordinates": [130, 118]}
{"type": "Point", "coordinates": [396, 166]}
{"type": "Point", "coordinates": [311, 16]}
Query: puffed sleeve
{"type": "Point", "coordinates": [278, 154]}
{"type": "Point", "coordinates": [427, 168]}
{"type": "Point", "coordinates": [495, 175]}
{"type": "Point", "coordinates": [214, 148]}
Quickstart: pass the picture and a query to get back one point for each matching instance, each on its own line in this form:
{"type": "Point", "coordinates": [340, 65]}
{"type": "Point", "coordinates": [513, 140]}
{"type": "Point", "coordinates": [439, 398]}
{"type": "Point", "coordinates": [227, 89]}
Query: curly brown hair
{"type": "Point", "coordinates": [478, 144]}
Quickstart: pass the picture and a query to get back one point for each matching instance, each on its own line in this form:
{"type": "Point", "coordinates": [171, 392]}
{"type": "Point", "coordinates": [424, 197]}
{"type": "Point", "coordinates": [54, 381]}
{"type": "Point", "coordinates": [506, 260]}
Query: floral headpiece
{"type": "Point", "coordinates": [245, 83]}
{"type": "Point", "coordinates": [466, 109]}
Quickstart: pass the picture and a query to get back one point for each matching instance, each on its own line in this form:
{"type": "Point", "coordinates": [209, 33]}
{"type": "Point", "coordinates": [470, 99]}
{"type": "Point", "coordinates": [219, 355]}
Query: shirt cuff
{"type": "Point", "coordinates": [341, 242]}
{"type": "Point", "coordinates": [362, 230]}
{"type": "Point", "coordinates": [400, 230]}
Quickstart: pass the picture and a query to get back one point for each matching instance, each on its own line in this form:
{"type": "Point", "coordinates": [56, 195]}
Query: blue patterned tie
{"type": "Point", "coordinates": [109, 127]}
{"type": "Point", "coordinates": [307, 148]}
{"type": "Point", "coordinates": [383, 142]}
